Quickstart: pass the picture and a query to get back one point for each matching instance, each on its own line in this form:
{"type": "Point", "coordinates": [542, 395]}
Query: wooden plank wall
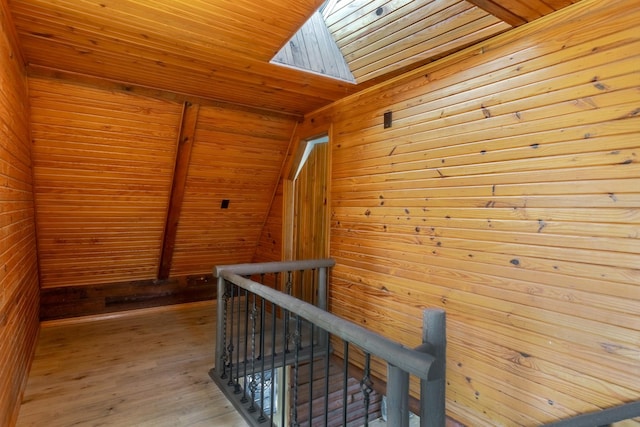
{"type": "Point", "coordinates": [103, 165]}
{"type": "Point", "coordinates": [380, 37]}
{"type": "Point", "coordinates": [237, 156]}
{"type": "Point", "coordinates": [507, 191]}
{"type": "Point", "coordinates": [269, 246]}
{"type": "Point", "coordinates": [19, 296]}
{"type": "Point", "coordinates": [104, 160]}
{"type": "Point", "coordinates": [310, 229]}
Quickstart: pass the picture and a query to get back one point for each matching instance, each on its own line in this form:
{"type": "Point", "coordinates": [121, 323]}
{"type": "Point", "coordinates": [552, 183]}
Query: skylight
{"type": "Point", "coordinates": [359, 40]}
{"type": "Point", "coordinates": [314, 50]}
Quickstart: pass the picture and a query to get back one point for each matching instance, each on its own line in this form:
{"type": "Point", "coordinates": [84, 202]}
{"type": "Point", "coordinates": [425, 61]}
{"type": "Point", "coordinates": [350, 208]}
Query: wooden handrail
{"type": "Point", "coordinates": [273, 267]}
{"type": "Point", "coordinates": [427, 362]}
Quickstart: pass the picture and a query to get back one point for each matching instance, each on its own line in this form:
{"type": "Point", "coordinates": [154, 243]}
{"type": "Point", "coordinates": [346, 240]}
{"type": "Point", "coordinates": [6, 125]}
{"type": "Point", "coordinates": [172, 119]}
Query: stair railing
{"type": "Point", "coordinates": [260, 329]}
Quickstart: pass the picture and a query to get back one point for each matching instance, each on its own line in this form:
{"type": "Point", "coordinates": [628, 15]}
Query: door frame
{"type": "Point", "coordinates": [289, 190]}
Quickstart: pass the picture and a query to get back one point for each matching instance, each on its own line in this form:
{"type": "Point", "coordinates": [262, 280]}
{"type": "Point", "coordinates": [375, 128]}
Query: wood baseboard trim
{"type": "Point", "coordinates": [112, 298]}
{"type": "Point", "coordinates": [126, 313]}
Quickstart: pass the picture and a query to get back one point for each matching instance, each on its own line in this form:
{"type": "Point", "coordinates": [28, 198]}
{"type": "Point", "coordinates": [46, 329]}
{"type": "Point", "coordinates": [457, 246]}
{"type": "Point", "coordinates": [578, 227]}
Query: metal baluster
{"type": "Point", "coordinates": [237, 388]}
{"type": "Point", "coordinates": [297, 339]}
{"type": "Point", "coordinates": [327, 366]}
{"type": "Point", "coordinates": [345, 382]}
{"type": "Point", "coordinates": [224, 357]}
{"type": "Point", "coordinates": [314, 291]}
{"type": "Point", "coordinates": [276, 281]}
{"type": "Point", "coordinates": [313, 347]}
{"type": "Point", "coordinates": [289, 285]}
{"type": "Point", "coordinates": [366, 385]}
{"type": "Point", "coordinates": [262, 418]}
{"type": "Point", "coordinates": [274, 309]}
{"type": "Point", "coordinates": [244, 398]}
{"type": "Point", "coordinates": [261, 325]}
{"type": "Point", "coordinates": [287, 336]}
{"type": "Point", "coordinates": [273, 359]}
{"type": "Point", "coordinates": [285, 345]}
{"type": "Point", "coordinates": [230, 348]}
{"type": "Point", "coordinates": [252, 385]}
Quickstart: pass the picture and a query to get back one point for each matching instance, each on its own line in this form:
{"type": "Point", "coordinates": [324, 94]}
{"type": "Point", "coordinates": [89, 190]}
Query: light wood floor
{"type": "Point", "coordinates": [149, 368]}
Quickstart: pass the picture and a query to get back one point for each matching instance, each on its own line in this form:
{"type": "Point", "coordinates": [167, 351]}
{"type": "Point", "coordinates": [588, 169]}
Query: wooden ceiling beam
{"type": "Point", "coordinates": [183, 157]}
{"type": "Point", "coordinates": [499, 12]}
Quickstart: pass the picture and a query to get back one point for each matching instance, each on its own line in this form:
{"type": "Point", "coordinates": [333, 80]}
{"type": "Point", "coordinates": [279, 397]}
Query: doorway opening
{"type": "Point", "coordinates": [307, 209]}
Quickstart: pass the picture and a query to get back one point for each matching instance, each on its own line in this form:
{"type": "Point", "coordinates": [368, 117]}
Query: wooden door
{"type": "Point", "coordinates": [307, 210]}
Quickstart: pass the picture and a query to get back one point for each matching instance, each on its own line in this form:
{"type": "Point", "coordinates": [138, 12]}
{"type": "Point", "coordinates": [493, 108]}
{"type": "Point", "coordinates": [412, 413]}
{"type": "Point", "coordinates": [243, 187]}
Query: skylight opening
{"type": "Point", "coordinates": [360, 40]}
{"type": "Point", "coordinates": [313, 49]}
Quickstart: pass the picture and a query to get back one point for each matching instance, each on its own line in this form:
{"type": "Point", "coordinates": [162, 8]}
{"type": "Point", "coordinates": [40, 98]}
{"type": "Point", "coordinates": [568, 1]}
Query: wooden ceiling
{"type": "Point", "coordinates": [220, 49]}
{"type": "Point", "coordinates": [377, 38]}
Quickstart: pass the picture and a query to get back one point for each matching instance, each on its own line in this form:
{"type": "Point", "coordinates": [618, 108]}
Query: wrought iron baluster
{"type": "Point", "coordinates": [224, 356]}
{"type": "Point", "coordinates": [297, 339]}
{"type": "Point", "coordinates": [261, 346]}
{"type": "Point", "coordinates": [366, 385]}
{"type": "Point", "coordinates": [311, 375]}
{"type": "Point", "coordinates": [230, 348]}
{"type": "Point", "coordinates": [345, 382]}
{"type": "Point", "coordinates": [285, 316]}
{"type": "Point", "coordinates": [293, 315]}
{"type": "Point", "coordinates": [327, 366]}
{"type": "Point", "coordinates": [287, 335]}
{"type": "Point", "coordinates": [252, 385]}
{"type": "Point", "coordinates": [276, 284]}
{"type": "Point", "coordinates": [237, 389]}
{"type": "Point", "coordinates": [314, 291]}
{"type": "Point", "coordinates": [244, 398]}
{"type": "Point", "coordinates": [273, 360]}
{"type": "Point", "coordinates": [262, 417]}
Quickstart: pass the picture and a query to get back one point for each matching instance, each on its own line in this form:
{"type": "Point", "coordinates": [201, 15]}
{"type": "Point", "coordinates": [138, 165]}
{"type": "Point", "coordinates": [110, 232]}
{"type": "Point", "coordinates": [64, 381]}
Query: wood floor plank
{"type": "Point", "coordinates": [148, 368]}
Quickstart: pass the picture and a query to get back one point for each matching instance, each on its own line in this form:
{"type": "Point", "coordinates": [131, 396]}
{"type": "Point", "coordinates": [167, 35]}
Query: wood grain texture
{"type": "Point", "coordinates": [19, 293]}
{"type": "Point", "coordinates": [145, 368]}
{"type": "Point", "coordinates": [505, 192]}
{"type": "Point", "coordinates": [269, 247]}
{"type": "Point", "coordinates": [310, 210]}
{"type": "Point", "coordinates": [183, 156]}
{"type": "Point", "coordinates": [383, 36]}
{"type": "Point", "coordinates": [89, 300]}
{"type": "Point", "coordinates": [219, 51]}
{"type": "Point", "coordinates": [236, 156]}
{"type": "Point", "coordinates": [312, 48]}
{"type": "Point", "coordinates": [518, 12]}
{"type": "Point", "coordinates": [103, 165]}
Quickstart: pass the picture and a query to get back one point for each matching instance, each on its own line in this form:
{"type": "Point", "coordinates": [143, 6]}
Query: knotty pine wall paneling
{"type": "Point", "coordinates": [507, 192]}
{"type": "Point", "coordinates": [269, 248]}
{"type": "Point", "coordinates": [19, 293]}
{"type": "Point", "coordinates": [270, 244]}
{"type": "Point", "coordinates": [103, 167]}
{"type": "Point", "coordinates": [237, 156]}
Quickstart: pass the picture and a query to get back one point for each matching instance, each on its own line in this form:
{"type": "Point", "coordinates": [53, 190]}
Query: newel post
{"type": "Point", "coordinates": [397, 396]}
{"type": "Point", "coordinates": [323, 337]}
{"type": "Point", "coordinates": [220, 327]}
{"type": "Point", "coordinates": [322, 288]}
{"type": "Point", "coordinates": [432, 390]}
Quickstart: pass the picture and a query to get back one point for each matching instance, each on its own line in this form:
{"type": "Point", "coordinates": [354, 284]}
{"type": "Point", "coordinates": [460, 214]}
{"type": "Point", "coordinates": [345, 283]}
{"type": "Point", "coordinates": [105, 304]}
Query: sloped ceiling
{"type": "Point", "coordinates": [220, 49]}
{"type": "Point", "coordinates": [380, 37]}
